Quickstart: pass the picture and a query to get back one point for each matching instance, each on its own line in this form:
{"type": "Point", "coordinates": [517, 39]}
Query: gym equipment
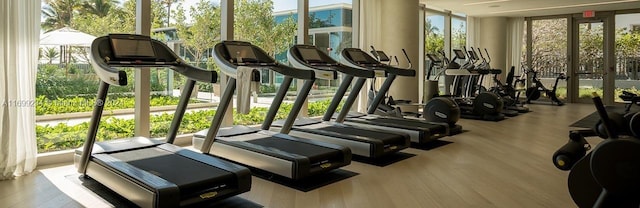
{"type": "Point", "coordinates": [576, 148]}
{"type": "Point", "coordinates": [149, 172]}
{"type": "Point", "coordinates": [420, 131]}
{"type": "Point", "coordinates": [484, 106]}
{"type": "Point", "coordinates": [277, 153]}
{"type": "Point", "coordinates": [608, 175]}
{"type": "Point", "coordinates": [386, 105]}
{"type": "Point", "coordinates": [534, 92]}
{"type": "Point", "coordinates": [506, 91]}
{"type": "Point", "coordinates": [366, 142]}
{"type": "Point", "coordinates": [436, 109]}
{"type": "Point", "coordinates": [629, 99]}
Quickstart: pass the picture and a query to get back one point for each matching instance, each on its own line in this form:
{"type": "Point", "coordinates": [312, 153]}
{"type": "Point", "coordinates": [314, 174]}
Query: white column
{"type": "Point", "coordinates": [143, 76]}
{"type": "Point", "coordinates": [400, 31]}
{"type": "Point", "coordinates": [493, 36]}
{"type": "Point", "coordinates": [303, 38]}
{"type": "Point", "coordinates": [226, 26]}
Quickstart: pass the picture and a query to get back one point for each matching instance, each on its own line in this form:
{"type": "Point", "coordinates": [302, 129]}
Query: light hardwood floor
{"type": "Point", "coordinates": [493, 164]}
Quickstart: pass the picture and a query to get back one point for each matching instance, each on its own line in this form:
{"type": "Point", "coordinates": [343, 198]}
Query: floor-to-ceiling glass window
{"type": "Point", "coordinates": [627, 54]}
{"type": "Point", "coordinates": [330, 25]}
{"type": "Point", "coordinates": [270, 25]}
{"type": "Point", "coordinates": [548, 52]}
{"type": "Point", "coordinates": [458, 32]}
{"type": "Point", "coordinates": [433, 32]}
{"type": "Point", "coordinates": [591, 58]}
{"type": "Point", "coordinates": [434, 43]}
{"type": "Point", "coordinates": [66, 84]}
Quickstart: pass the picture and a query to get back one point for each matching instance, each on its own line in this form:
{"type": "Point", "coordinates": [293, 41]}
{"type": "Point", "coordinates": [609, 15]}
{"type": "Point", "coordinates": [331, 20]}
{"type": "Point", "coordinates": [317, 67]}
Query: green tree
{"type": "Point", "coordinates": [458, 36]}
{"type": "Point", "coordinates": [549, 50]}
{"type": "Point", "coordinates": [254, 22]}
{"type": "Point", "coordinates": [168, 3]}
{"type": "Point", "coordinates": [434, 40]}
{"type": "Point", "coordinates": [58, 13]}
{"type": "Point", "coordinates": [100, 8]}
{"type": "Point", "coordinates": [203, 32]}
{"type": "Point", "coordinates": [50, 54]}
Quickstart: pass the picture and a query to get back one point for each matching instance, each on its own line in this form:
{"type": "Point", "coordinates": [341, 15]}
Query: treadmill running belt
{"type": "Point", "coordinates": [315, 153]}
{"type": "Point", "coordinates": [173, 167]}
{"type": "Point", "coordinates": [386, 138]}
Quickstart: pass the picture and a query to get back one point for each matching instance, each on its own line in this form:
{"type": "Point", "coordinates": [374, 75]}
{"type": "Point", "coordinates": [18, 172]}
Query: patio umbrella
{"type": "Point", "coordinates": [66, 37]}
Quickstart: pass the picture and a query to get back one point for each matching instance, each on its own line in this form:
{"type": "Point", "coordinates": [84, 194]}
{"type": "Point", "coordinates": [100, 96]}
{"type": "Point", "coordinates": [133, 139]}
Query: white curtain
{"type": "Point", "coordinates": [515, 35]}
{"type": "Point", "coordinates": [19, 42]}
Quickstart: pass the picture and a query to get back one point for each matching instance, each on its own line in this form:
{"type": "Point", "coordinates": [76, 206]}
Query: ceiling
{"type": "Point", "coordinates": [528, 8]}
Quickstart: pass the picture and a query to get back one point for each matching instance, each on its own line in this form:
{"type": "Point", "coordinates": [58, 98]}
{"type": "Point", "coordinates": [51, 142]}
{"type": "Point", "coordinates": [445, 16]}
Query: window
{"type": "Point", "coordinates": [67, 85]}
{"type": "Point", "coordinates": [458, 33]}
{"type": "Point", "coordinates": [331, 28]}
{"type": "Point", "coordinates": [433, 32]}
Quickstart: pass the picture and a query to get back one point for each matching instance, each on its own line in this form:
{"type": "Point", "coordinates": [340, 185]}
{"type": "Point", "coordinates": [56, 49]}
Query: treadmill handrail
{"type": "Point", "coordinates": [373, 64]}
{"type": "Point", "coordinates": [230, 69]}
{"type": "Point", "coordinates": [327, 61]}
{"type": "Point", "coordinates": [107, 64]}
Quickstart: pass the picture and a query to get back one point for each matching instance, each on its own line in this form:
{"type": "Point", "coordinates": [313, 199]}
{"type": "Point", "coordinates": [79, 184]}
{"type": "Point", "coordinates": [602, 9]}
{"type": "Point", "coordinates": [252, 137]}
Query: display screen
{"type": "Point", "coordinates": [459, 53]}
{"type": "Point", "coordinates": [473, 55]}
{"type": "Point", "coordinates": [132, 48]}
{"type": "Point", "coordinates": [433, 58]}
{"type": "Point", "coordinates": [383, 56]}
{"type": "Point", "coordinates": [358, 56]}
{"type": "Point", "coordinates": [245, 52]}
{"type": "Point", "coordinates": [310, 54]}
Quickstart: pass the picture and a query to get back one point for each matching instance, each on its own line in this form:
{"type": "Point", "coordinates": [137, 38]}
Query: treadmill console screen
{"type": "Point", "coordinates": [310, 55]}
{"type": "Point", "coordinates": [433, 58]}
{"type": "Point", "coordinates": [358, 57]}
{"type": "Point", "coordinates": [241, 53]}
{"type": "Point", "coordinates": [459, 53]}
{"type": "Point", "coordinates": [383, 56]}
{"type": "Point", "coordinates": [473, 55]}
{"type": "Point", "coordinates": [132, 47]}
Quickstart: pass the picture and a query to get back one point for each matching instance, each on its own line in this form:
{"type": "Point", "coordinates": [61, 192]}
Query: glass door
{"type": "Point", "coordinates": [591, 61]}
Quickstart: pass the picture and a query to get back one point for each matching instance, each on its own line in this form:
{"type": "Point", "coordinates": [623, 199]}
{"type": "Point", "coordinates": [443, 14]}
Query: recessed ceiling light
{"type": "Point", "coordinates": [566, 6]}
{"type": "Point", "coordinates": [485, 2]}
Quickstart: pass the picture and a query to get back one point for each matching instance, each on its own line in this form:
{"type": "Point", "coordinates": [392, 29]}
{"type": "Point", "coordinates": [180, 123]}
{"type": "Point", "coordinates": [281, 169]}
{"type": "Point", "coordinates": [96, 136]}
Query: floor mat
{"type": "Point", "coordinates": [384, 161]}
{"type": "Point", "coordinates": [430, 145]}
{"type": "Point", "coordinates": [593, 118]}
{"type": "Point", "coordinates": [118, 201]}
{"type": "Point", "coordinates": [306, 184]}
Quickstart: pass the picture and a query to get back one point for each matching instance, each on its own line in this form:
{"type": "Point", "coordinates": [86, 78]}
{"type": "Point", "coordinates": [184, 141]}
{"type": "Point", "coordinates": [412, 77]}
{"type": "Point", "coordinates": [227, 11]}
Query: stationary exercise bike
{"type": "Point", "coordinates": [534, 92]}
{"type": "Point", "coordinates": [609, 175]}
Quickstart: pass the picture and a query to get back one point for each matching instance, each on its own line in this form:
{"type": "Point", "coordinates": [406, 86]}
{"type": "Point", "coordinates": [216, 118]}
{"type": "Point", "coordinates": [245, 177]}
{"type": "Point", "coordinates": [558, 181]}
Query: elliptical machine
{"type": "Point", "coordinates": [534, 92]}
{"type": "Point", "coordinates": [507, 91]}
{"type": "Point", "coordinates": [484, 106]}
{"type": "Point", "coordinates": [609, 175]}
{"type": "Point", "coordinates": [440, 110]}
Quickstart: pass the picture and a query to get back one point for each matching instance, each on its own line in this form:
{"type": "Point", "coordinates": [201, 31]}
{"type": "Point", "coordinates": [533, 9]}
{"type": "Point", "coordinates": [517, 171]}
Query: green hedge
{"type": "Point", "coordinates": [46, 106]}
{"type": "Point", "coordinates": [54, 82]}
{"type": "Point", "coordinates": [63, 136]}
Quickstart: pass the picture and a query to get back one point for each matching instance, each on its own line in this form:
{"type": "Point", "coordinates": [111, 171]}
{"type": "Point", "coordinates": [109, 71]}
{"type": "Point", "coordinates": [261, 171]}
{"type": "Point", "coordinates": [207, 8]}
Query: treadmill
{"type": "Point", "coordinates": [148, 172]}
{"type": "Point", "coordinates": [420, 131]}
{"type": "Point", "coordinates": [277, 153]}
{"type": "Point", "coordinates": [365, 142]}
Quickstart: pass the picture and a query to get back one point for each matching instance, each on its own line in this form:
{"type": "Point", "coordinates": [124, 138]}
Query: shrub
{"type": "Point", "coordinates": [63, 136]}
